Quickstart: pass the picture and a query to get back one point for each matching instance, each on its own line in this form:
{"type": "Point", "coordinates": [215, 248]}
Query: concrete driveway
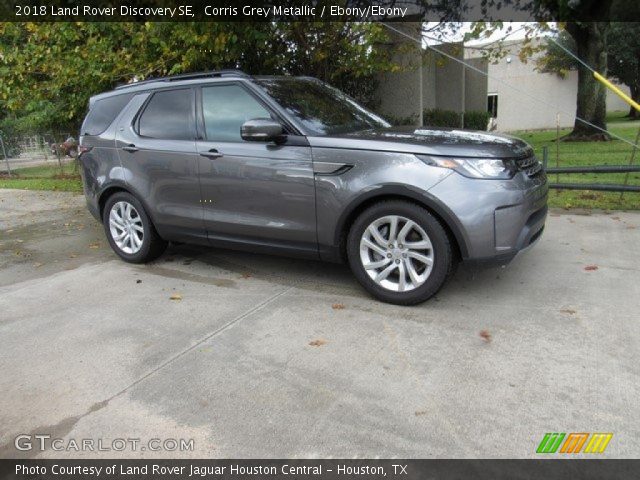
{"type": "Point", "coordinates": [261, 356]}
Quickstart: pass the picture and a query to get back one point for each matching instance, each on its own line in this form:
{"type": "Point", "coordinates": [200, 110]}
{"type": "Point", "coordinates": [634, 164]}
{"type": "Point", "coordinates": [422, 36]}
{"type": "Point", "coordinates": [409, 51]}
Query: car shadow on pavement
{"type": "Point", "coordinates": [202, 264]}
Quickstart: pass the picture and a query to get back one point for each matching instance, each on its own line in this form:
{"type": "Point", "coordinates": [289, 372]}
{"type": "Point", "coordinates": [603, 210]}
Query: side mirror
{"type": "Point", "coordinates": [260, 130]}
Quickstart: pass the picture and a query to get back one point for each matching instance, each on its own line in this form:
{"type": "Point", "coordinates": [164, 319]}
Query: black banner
{"type": "Point", "coordinates": [570, 469]}
{"type": "Point", "coordinates": [315, 10]}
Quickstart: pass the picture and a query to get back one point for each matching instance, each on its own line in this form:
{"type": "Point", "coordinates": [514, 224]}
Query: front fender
{"type": "Point", "coordinates": [385, 191]}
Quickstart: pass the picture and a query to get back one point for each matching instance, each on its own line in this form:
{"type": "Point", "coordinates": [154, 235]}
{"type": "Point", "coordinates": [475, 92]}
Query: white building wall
{"type": "Point", "coordinates": [538, 100]}
{"type": "Point", "coordinates": [523, 111]}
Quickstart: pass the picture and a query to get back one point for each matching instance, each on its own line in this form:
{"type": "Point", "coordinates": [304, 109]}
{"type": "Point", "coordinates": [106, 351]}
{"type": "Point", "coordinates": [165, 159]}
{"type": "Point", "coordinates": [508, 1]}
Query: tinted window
{"type": "Point", "coordinates": [103, 113]}
{"type": "Point", "coordinates": [322, 109]}
{"type": "Point", "coordinates": [168, 116]}
{"type": "Point", "coordinates": [225, 108]}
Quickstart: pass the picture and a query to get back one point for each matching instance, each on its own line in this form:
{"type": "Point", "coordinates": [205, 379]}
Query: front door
{"type": "Point", "coordinates": [256, 193]}
{"type": "Point", "coordinates": [159, 153]}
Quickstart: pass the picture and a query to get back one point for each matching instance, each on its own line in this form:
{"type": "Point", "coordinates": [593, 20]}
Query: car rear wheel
{"type": "Point", "coordinates": [130, 231]}
{"type": "Point", "coordinates": [399, 252]}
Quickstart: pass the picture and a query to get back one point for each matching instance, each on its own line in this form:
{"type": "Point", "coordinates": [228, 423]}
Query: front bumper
{"type": "Point", "coordinates": [497, 218]}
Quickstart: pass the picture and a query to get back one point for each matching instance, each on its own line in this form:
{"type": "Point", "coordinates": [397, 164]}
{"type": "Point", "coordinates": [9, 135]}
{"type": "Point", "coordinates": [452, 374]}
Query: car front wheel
{"type": "Point", "coordinates": [130, 231]}
{"type": "Point", "coordinates": [399, 252]}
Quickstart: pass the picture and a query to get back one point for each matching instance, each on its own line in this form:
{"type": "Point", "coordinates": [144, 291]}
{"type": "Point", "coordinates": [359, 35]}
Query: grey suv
{"type": "Point", "coordinates": [293, 166]}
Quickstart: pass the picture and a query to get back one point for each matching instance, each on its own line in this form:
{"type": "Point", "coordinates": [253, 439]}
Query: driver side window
{"type": "Point", "coordinates": [225, 108]}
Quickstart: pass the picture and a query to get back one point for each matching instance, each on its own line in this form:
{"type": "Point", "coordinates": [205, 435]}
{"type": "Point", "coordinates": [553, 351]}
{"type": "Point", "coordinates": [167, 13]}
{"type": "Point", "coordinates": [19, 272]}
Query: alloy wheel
{"type": "Point", "coordinates": [396, 253]}
{"type": "Point", "coordinates": [126, 227]}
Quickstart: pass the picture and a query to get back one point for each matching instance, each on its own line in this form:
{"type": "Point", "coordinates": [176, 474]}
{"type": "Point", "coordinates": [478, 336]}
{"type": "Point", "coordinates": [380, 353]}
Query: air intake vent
{"type": "Point", "coordinates": [529, 165]}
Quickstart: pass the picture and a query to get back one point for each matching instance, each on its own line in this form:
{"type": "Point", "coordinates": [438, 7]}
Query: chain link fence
{"type": "Point", "coordinates": [20, 154]}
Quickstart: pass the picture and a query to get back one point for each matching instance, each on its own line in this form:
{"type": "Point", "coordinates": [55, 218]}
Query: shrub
{"type": "Point", "coordinates": [476, 120]}
{"type": "Point", "coordinates": [436, 117]}
{"type": "Point", "coordinates": [473, 119]}
{"type": "Point", "coordinates": [401, 121]}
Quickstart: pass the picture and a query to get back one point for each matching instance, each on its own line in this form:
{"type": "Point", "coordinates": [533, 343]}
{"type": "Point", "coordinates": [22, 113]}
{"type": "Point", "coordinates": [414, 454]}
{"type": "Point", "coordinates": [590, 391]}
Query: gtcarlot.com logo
{"type": "Point", "coordinates": [44, 442]}
{"type": "Point", "coordinates": [573, 442]}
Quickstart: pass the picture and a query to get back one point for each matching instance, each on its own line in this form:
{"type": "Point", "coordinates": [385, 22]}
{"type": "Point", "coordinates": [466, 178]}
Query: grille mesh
{"type": "Point", "coordinates": [532, 168]}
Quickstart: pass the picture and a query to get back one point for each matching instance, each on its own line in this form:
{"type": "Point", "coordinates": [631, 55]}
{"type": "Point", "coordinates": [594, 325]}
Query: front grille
{"type": "Point", "coordinates": [532, 168]}
{"type": "Point", "coordinates": [529, 165]}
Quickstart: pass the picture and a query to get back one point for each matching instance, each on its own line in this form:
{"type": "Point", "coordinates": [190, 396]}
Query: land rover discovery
{"type": "Point", "coordinates": [291, 165]}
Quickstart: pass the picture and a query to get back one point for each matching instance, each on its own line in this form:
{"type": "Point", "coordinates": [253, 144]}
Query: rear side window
{"type": "Point", "coordinates": [168, 116]}
{"type": "Point", "coordinates": [103, 113]}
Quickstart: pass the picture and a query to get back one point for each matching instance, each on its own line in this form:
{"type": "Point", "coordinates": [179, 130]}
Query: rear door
{"type": "Point", "coordinates": [158, 152]}
{"type": "Point", "coordinates": [256, 193]}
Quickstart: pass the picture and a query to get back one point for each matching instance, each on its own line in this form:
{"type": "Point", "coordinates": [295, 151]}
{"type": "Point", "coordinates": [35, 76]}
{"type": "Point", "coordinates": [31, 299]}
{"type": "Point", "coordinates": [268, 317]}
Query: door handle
{"type": "Point", "coordinates": [130, 148]}
{"type": "Point", "coordinates": [213, 153]}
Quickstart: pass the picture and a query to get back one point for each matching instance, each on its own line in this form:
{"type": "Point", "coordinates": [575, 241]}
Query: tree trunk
{"type": "Point", "coordinates": [591, 42]}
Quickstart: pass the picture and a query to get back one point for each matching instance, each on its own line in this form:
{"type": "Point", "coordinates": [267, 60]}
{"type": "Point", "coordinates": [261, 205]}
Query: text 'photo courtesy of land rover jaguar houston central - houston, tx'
{"type": "Point", "coordinates": [291, 165]}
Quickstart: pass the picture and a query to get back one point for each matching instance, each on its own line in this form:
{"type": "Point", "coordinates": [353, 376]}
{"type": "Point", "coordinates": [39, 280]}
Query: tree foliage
{"type": "Point", "coordinates": [555, 59]}
{"type": "Point", "coordinates": [49, 70]}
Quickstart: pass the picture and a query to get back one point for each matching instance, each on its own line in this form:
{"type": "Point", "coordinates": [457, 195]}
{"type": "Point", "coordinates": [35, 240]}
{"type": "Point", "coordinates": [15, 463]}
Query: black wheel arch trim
{"type": "Point", "coordinates": [421, 197]}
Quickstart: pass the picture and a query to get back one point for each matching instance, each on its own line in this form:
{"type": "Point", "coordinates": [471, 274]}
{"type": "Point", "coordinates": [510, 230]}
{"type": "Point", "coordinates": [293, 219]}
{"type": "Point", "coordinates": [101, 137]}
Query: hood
{"type": "Point", "coordinates": [430, 141]}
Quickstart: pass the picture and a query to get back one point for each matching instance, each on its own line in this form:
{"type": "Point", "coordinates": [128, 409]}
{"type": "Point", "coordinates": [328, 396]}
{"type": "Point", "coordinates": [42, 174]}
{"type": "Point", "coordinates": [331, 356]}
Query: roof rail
{"type": "Point", "coordinates": [188, 76]}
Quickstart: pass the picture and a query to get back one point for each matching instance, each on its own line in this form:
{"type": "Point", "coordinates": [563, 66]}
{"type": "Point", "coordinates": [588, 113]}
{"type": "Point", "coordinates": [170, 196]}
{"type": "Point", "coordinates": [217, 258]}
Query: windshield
{"type": "Point", "coordinates": [321, 109]}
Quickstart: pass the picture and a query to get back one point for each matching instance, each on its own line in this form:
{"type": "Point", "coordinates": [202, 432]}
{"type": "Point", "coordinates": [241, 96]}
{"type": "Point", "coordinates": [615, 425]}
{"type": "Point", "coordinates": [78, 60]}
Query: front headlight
{"type": "Point", "coordinates": [473, 167]}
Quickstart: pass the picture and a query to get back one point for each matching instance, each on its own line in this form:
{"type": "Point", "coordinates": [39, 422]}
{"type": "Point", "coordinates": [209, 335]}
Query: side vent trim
{"type": "Point", "coordinates": [330, 168]}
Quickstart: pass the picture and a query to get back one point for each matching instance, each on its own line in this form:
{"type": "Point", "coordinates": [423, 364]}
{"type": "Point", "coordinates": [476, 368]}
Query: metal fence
{"type": "Point", "coordinates": [601, 187]}
{"type": "Point", "coordinates": [630, 167]}
{"type": "Point", "coordinates": [36, 150]}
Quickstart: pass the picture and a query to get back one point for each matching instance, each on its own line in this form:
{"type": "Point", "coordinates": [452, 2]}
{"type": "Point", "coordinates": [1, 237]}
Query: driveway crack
{"type": "Point", "coordinates": [192, 347]}
{"type": "Point", "coordinates": [66, 425]}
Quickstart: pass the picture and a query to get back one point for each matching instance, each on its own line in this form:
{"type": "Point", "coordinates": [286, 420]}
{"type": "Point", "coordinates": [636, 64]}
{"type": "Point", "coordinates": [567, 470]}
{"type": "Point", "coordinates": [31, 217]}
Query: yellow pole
{"type": "Point", "coordinates": [616, 90]}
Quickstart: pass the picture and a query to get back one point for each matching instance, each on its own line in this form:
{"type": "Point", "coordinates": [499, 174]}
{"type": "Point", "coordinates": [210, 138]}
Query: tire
{"type": "Point", "coordinates": [426, 241]}
{"type": "Point", "coordinates": [148, 246]}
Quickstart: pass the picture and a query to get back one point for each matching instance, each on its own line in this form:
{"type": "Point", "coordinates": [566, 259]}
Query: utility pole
{"type": "Point", "coordinates": [6, 158]}
{"type": "Point", "coordinates": [463, 93]}
{"type": "Point", "coordinates": [421, 113]}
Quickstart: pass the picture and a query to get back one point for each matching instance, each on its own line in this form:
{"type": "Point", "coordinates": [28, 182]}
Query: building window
{"type": "Point", "coordinates": [492, 104]}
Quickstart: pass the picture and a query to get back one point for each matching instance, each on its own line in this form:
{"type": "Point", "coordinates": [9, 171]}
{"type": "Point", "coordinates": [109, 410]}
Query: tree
{"type": "Point", "coordinates": [624, 58]}
{"type": "Point", "coordinates": [344, 54]}
{"type": "Point", "coordinates": [555, 58]}
{"type": "Point", "coordinates": [591, 48]}
{"type": "Point", "coordinates": [588, 42]}
{"type": "Point", "coordinates": [587, 27]}
{"type": "Point", "coordinates": [49, 70]}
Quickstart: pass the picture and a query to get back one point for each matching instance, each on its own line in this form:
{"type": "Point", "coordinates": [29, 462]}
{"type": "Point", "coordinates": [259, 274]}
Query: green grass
{"type": "Point", "coordinates": [566, 154]}
{"type": "Point", "coordinates": [48, 177]}
{"type": "Point", "coordinates": [617, 116]}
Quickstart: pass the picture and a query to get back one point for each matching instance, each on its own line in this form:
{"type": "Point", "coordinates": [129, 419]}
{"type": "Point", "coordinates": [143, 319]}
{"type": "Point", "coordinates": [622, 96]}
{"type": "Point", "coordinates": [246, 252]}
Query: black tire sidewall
{"type": "Point", "coordinates": [441, 248]}
{"type": "Point", "coordinates": [144, 253]}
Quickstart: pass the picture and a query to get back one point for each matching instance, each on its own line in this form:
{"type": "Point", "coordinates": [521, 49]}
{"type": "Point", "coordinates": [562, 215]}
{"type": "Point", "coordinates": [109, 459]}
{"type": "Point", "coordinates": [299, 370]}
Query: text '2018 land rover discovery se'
{"type": "Point", "coordinates": [292, 165]}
